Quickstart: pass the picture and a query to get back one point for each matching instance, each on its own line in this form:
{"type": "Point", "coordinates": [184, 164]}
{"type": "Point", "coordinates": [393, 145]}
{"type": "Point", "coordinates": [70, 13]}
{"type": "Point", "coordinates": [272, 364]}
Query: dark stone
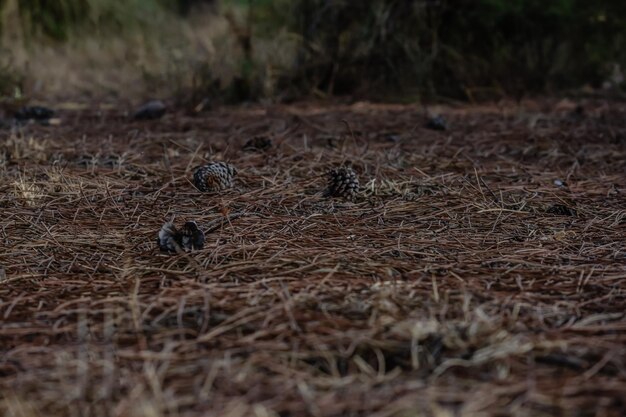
{"type": "Point", "coordinates": [437, 123]}
{"type": "Point", "coordinates": [33, 113]}
{"type": "Point", "coordinates": [152, 110]}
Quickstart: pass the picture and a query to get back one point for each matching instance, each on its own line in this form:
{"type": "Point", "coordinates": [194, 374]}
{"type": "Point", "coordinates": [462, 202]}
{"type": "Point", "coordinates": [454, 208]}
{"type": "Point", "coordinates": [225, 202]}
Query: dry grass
{"type": "Point", "coordinates": [160, 55]}
{"type": "Point", "coordinates": [446, 289]}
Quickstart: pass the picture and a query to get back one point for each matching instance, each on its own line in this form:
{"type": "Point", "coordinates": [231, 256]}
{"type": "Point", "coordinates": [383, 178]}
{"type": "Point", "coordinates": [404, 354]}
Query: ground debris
{"type": "Point", "coordinates": [441, 289]}
{"type": "Point", "coordinates": [258, 143]}
{"type": "Point", "coordinates": [561, 210]}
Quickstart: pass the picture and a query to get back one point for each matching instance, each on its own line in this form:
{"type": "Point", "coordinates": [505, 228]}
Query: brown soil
{"type": "Point", "coordinates": [480, 272]}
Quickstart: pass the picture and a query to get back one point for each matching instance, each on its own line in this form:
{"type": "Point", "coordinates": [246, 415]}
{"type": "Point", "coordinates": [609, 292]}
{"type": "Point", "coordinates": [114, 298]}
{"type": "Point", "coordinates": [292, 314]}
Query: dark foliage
{"type": "Point", "coordinates": [457, 48]}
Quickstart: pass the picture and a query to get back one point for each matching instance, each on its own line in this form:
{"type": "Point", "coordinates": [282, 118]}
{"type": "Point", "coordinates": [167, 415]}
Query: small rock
{"type": "Point", "coordinates": [437, 123]}
{"type": "Point", "coordinates": [560, 183]}
{"type": "Point", "coordinates": [152, 110]}
{"type": "Point", "coordinates": [39, 113]}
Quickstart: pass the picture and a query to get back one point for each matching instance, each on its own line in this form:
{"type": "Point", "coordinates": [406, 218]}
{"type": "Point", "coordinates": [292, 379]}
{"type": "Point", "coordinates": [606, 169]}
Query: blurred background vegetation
{"type": "Point", "coordinates": [238, 50]}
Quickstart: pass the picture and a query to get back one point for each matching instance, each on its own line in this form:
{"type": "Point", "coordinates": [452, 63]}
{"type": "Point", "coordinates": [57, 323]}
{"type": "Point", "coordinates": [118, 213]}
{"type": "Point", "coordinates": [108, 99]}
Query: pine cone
{"type": "Point", "coordinates": [214, 177]}
{"type": "Point", "coordinates": [342, 182]}
{"type": "Point", "coordinates": [189, 237]}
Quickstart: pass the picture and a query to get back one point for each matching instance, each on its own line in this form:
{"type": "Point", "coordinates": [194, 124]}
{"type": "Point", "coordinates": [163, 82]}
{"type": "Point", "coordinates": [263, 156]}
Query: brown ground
{"type": "Point", "coordinates": [462, 282]}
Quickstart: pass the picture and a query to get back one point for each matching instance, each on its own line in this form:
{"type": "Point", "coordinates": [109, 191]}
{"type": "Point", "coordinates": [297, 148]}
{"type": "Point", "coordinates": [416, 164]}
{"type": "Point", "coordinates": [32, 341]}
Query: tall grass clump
{"type": "Point", "coordinates": [108, 48]}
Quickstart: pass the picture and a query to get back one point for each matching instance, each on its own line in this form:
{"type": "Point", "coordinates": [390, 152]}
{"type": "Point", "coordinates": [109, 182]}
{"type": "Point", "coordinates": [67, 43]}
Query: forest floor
{"type": "Point", "coordinates": [480, 272]}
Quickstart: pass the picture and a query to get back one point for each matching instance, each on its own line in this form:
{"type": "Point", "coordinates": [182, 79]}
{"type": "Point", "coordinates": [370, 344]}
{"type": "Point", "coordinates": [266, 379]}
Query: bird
{"type": "Point", "coordinates": [342, 182]}
{"type": "Point", "coordinates": [153, 109]}
{"type": "Point", "coordinates": [215, 176]}
{"type": "Point", "coordinates": [188, 238]}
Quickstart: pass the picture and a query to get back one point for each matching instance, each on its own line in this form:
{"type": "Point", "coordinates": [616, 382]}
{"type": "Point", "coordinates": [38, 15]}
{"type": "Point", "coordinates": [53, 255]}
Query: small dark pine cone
{"type": "Point", "coordinates": [258, 143]}
{"type": "Point", "coordinates": [342, 182]}
{"type": "Point", "coordinates": [188, 238]}
{"type": "Point", "coordinates": [214, 177]}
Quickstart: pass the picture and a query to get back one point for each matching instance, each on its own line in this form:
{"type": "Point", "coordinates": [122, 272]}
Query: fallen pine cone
{"type": "Point", "coordinates": [214, 176]}
{"type": "Point", "coordinates": [342, 182]}
{"type": "Point", "coordinates": [188, 238]}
